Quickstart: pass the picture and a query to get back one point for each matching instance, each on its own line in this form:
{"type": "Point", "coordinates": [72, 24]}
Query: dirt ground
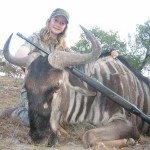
{"type": "Point", "coordinates": [14, 136]}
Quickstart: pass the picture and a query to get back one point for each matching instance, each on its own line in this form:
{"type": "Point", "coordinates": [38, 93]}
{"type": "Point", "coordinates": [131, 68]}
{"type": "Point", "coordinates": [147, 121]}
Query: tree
{"type": "Point", "coordinates": [107, 40]}
{"type": "Point", "coordinates": [139, 54]}
{"type": "Point", "coordinates": [143, 43]}
{"type": "Point", "coordinates": [9, 69]}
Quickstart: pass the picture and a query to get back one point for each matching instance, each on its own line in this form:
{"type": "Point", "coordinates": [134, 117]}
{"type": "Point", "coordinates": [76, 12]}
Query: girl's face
{"type": "Point", "coordinates": [57, 25]}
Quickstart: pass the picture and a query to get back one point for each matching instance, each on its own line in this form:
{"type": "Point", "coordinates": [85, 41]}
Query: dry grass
{"type": "Point", "coordinates": [14, 136]}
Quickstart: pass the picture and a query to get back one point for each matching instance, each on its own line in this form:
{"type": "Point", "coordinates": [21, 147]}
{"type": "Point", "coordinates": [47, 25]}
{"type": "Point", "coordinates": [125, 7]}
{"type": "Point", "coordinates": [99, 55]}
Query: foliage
{"type": "Point", "coordinates": [9, 69]}
{"type": "Point", "coordinates": [139, 53]}
{"type": "Point", "coordinates": [108, 40]}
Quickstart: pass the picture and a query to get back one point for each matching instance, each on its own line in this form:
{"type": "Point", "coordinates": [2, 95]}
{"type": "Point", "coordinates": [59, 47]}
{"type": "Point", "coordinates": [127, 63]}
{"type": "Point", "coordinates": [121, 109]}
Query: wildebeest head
{"type": "Point", "coordinates": [47, 83]}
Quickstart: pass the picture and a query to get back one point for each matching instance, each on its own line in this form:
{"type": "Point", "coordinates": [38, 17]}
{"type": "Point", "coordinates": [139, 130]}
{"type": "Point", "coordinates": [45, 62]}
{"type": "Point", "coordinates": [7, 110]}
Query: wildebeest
{"type": "Point", "coordinates": [56, 96]}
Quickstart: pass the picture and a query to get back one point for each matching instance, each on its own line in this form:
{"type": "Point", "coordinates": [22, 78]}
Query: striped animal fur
{"type": "Point", "coordinates": [116, 123]}
{"type": "Point", "coordinates": [99, 110]}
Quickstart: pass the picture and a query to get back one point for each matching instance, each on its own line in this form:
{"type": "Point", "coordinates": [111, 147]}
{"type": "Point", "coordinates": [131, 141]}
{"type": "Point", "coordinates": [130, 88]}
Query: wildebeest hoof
{"type": "Point", "coordinates": [89, 140]}
{"type": "Point", "coordinates": [53, 140]}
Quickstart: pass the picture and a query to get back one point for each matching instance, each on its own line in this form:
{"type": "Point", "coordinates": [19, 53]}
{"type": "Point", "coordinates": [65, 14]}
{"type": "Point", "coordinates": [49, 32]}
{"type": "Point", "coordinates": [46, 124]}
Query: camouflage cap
{"type": "Point", "coordinates": [60, 12]}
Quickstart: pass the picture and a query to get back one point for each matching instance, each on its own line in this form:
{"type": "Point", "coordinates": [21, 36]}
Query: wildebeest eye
{"type": "Point", "coordinates": [52, 90]}
{"type": "Point", "coordinates": [49, 92]}
{"type": "Point", "coordinates": [56, 88]}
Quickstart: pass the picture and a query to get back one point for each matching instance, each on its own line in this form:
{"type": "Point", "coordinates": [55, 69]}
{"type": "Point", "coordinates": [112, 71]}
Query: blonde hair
{"type": "Point", "coordinates": [46, 37]}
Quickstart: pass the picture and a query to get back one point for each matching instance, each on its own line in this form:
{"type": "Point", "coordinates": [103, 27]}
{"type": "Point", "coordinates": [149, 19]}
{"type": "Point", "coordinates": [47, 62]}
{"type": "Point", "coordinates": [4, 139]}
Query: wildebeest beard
{"type": "Point", "coordinates": [39, 101]}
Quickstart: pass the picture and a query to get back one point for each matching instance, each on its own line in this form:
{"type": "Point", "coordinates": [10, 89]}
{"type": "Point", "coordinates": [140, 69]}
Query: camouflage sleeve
{"type": "Point", "coordinates": [34, 38]}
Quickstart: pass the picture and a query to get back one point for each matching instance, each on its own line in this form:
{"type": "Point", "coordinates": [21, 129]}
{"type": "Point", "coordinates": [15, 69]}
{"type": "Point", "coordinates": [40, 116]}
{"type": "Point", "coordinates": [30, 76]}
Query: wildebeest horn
{"type": "Point", "coordinates": [61, 59]}
{"type": "Point", "coordinates": [22, 62]}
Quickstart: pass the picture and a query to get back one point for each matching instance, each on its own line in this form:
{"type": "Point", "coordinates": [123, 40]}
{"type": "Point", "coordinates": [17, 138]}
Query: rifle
{"type": "Point", "coordinates": [93, 82]}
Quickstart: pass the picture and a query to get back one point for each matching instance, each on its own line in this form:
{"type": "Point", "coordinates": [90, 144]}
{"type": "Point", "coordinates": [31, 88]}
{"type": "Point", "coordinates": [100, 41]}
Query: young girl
{"type": "Point", "coordinates": [50, 38]}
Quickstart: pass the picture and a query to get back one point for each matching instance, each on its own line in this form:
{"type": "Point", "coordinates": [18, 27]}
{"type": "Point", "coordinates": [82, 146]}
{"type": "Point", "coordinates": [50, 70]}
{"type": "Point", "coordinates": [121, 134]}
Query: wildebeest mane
{"type": "Point", "coordinates": [136, 72]}
{"type": "Point", "coordinates": [39, 68]}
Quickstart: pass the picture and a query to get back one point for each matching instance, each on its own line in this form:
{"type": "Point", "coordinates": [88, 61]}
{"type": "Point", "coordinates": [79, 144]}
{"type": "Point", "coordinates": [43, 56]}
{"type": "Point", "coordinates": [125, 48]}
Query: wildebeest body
{"type": "Point", "coordinates": [56, 96]}
{"type": "Point", "coordinates": [97, 110]}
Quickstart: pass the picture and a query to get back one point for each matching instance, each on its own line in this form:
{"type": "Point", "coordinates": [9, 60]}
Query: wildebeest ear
{"type": "Point", "coordinates": [77, 85]}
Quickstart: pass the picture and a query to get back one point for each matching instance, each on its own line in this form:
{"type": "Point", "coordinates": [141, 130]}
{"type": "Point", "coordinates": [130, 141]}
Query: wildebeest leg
{"type": "Point", "coordinates": [115, 130]}
{"type": "Point", "coordinates": [53, 139]}
{"type": "Point", "coordinates": [54, 119]}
